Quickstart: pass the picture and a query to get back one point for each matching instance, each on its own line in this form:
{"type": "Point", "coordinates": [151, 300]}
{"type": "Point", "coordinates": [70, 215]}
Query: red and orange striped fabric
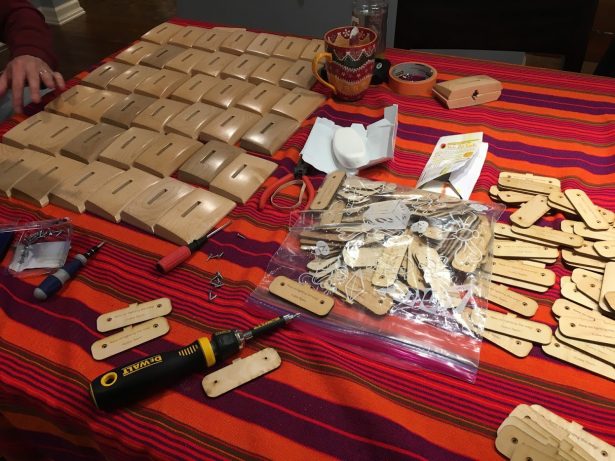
{"type": "Point", "coordinates": [323, 402]}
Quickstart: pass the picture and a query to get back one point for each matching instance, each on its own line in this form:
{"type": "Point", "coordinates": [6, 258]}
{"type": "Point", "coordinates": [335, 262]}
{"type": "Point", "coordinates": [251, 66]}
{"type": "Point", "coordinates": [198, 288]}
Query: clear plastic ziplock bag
{"type": "Point", "coordinates": [38, 247]}
{"type": "Point", "coordinates": [408, 270]}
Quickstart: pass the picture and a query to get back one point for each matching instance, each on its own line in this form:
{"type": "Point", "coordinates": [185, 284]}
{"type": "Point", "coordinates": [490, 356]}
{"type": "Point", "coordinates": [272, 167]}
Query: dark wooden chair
{"type": "Point", "coordinates": [559, 27]}
{"type": "Point", "coordinates": [606, 66]}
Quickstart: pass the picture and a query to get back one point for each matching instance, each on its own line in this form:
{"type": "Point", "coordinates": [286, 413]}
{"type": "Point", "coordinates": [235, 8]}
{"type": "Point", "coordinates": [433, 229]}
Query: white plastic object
{"type": "Point", "coordinates": [349, 148]}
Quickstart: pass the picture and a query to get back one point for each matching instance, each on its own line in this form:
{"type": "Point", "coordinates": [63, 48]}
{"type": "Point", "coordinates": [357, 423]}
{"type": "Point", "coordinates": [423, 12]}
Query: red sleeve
{"type": "Point", "coordinates": [23, 29]}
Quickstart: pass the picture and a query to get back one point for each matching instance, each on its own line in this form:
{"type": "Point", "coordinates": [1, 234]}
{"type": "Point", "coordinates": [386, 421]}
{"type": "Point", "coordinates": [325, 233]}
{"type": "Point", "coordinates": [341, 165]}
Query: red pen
{"type": "Point", "coordinates": [178, 256]}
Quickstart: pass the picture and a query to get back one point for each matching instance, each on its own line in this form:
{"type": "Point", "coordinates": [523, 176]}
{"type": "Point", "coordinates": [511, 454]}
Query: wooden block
{"type": "Point", "coordinates": [136, 52]}
{"type": "Point", "coordinates": [193, 89]}
{"type": "Point", "coordinates": [269, 134]}
{"type": "Point", "coordinates": [127, 147]}
{"type": "Point", "coordinates": [65, 103]}
{"type": "Point", "coordinates": [190, 121]}
{"type": "Point", "coordinates": [570, 355]}
{"type": "Point", "coordinates": [89, 144]}
{"type": "Point", "coordinates": [229, 126]}
{"type": "Point", "coordinates": [101, 76]}
{"type": "Point", "coordinates": [511, 325]}
{"type": "Point", "coordinates": [226, 93]}
{"type": "Point", "coordinates": [523, 250]}
{"type": "Point", "coordinates": [587, 249]}
{"type": "Point", "coordinates": [15, 164]}
{"type": "Point", "coordinates": [241, 371]}
{"type": "Point", "coordinates": [314, 47]}
{"type": "Point", "coordinates": [515, 346]}
{"type": "Point", "coordinates": [608, 285]}
{"type": "Point", "coordinates": [111, 198]}
{"type": "Point", "coordinates": [185, 62]}
{"type": "Point", "coordinates": [298, 104]}
{"type": "Point", "coordinates": [565, 307]}
{"type": "Point", "coordinates": [261, 98]}
{"type": "Point", "coordinates": [211, 39]}
{"type": "Point", "coordinates": [518, 283]}
{"type": "Point", "coordinates": [127, 81]}
{"type": "Point", "coordinates": [203, 166]}
{"type": "Point", "coordinates": [302, 295]}
{"type": "Point", "coordinates": [291, 48]}
{"type": "Point", "coordinates": [575, 258]}
{"type": "Point", "coordinates": [587, 210]}
{"type": "Point", "coordinates": [147, 208]}
{"type": "Point", "coordinates": [162, 33]}
{"type": "Point", "coordinates": [35, 186]}
{"type": "Point", "coordinates": [92, 109]}
{"type": "Point", "coordinates": [242, 177]}
{"type": "Point", "coordinates": [570, 291]}
{"type": "Point", "coordinates": [31, 128]}
{"type": "Point", "coordinates": [523, 272]}
{"type": "Point", "coordinates": [193, 216]}
{"type": "Point", "coordinates": [587, 283]}
{"type": "Point", "coordinates": [605, 248]}
{"type": "Point", "coordinates": [531, 177]}
{"type": "Point", "coordinates": [242, 67]}
{"type": "Point", "coordinates": [514, 197]}
{"type": "Point", "coordinates": [158, 114]}
{"type": "Point", "coordinates": [73, 191]}
{"type": "Point", "coordinates": [531, 211]}
{"type": "Point", "coordinates": [585, 232]}
{"type": "Point", "coordinates": [270, 71]}
{"type": "Point", "coordinates": [327, 190]}
{"type": "Point", "coordinates": [161, 84]}
{"type": "Point", "coordinates": [167, 154]}
{"type": "Point", "coordinates": [589, 330]}
{"type": "Point", "coordinates": [511, 300]}
{"type": "Point", "coordinates": [57, 136]}
{"type": "Point", "coordinates": [214, 63]}
{"type": "Point", "coordinates": [264, 44]}
{"type": "Point", "coordinates": [548, 235]}
{"type": "Point", "coordinates": [187, 36]}
{"type": "Point", "coordinates": [526, 185]}
{"type": "Point", "coordinates": [567, 225]}
{"type": "Point", "coordinates": [298, 75]}
{"type": "Point", "coordinates": [124, 112]}
{"type": "Point", "coordinates": [237, 42]}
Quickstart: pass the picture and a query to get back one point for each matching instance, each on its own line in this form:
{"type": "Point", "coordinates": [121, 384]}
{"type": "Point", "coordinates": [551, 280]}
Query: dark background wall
{"type": "Point", "coordinates": [302, 17]}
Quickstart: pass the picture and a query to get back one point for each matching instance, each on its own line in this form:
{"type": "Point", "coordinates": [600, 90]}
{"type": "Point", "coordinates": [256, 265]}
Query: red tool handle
{"type": "Point", "coordinates": [173, 259]}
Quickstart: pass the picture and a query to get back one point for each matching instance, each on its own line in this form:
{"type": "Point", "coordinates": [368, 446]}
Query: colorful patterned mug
{"type": "Point", "coordinates": [349, 66]}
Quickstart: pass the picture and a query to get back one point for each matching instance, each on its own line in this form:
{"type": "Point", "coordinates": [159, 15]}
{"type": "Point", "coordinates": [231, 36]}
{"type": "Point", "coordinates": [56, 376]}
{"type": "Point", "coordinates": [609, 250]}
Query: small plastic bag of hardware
{"type": "Point", "coordinates": [38, 247]}
{"type": "Point", "coordinates": [405, 269]}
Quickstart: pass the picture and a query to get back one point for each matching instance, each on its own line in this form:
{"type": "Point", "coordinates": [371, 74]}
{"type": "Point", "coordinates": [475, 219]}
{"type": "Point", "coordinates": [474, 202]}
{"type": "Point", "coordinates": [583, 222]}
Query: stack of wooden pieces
{"type": "Point", "coordinates": [587, 244]}
{"type": "Point", "coordinates": [531, 432]}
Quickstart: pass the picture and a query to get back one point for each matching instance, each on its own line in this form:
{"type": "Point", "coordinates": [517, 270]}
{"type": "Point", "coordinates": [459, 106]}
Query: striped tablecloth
{"type": "Point", "coordinates": [323, 402]}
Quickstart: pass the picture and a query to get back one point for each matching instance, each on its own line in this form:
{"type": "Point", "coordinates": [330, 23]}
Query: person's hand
{"type": "Point", "coordinates": [29, 69]}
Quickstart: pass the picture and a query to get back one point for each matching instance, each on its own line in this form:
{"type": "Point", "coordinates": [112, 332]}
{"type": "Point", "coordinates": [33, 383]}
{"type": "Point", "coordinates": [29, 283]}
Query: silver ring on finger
{"type": "Point", "coordinates": [43, 71]}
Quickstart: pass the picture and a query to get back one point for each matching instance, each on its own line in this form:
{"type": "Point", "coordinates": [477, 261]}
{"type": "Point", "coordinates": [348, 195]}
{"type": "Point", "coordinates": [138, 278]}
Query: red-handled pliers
{"type": "Point", "coordinates": [297, 177]}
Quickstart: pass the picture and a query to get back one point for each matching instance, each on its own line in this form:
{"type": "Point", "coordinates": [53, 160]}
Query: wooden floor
{"type": "Point", "coordinates": [107, 26]}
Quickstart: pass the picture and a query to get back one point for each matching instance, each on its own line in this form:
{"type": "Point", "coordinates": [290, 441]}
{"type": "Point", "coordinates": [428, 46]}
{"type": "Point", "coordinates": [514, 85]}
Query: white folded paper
{"type": "Point", "coordinates": [455, 165]}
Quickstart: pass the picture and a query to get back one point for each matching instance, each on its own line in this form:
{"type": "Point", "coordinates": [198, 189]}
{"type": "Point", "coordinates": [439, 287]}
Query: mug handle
{"type": "Point", "coordinates": [315, 61]}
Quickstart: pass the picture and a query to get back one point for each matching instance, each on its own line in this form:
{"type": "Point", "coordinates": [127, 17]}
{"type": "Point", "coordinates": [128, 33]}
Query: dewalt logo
{"type": "Point", "coordinates": [134, 367]}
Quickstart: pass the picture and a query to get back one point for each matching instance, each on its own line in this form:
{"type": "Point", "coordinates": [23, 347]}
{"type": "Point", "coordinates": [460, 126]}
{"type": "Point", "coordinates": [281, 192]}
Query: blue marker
{"type": "Point", "coordinates": [53, 283]}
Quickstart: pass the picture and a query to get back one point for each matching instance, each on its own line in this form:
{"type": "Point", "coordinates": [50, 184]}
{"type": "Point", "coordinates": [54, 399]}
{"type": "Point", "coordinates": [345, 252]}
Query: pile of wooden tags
{"type": "Point", "coordinates": [533, 433]}
{"type": "Point", "coordinates": [140, 323]}
{"type": "Point", "coordinates": [587, 244]}
{"type": "Point", "coordinates": [376, 246]}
